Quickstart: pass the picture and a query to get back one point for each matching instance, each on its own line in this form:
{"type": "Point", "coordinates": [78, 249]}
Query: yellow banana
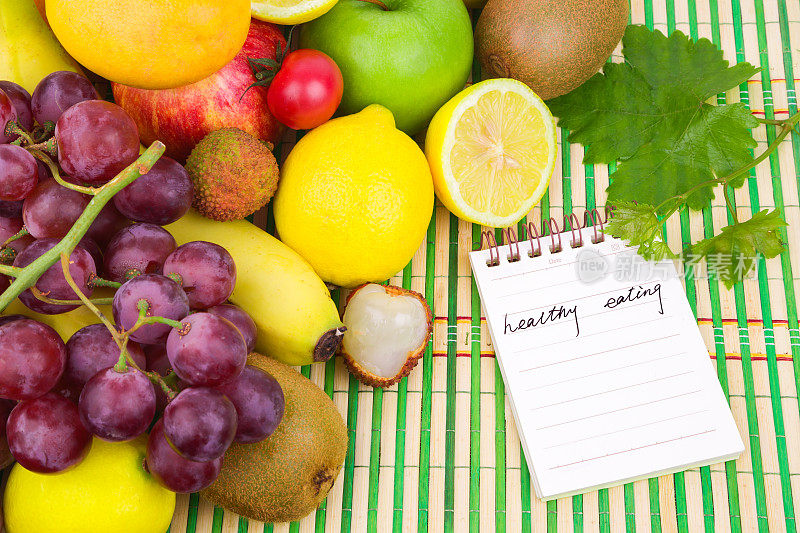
{"type": "Point", "coordinates": [29, 50]}
{"type": "Point", "coordinates": [65, 324]}
{"type": "Point", "coordinates": [297, 321]}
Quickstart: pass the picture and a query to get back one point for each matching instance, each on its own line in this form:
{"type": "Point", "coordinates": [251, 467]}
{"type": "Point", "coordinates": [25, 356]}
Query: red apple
{"type": "Point", "coordinates": [181, 117]}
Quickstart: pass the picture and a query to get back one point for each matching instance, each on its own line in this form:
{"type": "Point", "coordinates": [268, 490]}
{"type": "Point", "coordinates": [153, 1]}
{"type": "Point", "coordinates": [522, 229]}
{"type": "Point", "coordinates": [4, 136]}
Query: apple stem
{"type": "Point", "coordinates": [377, 3]}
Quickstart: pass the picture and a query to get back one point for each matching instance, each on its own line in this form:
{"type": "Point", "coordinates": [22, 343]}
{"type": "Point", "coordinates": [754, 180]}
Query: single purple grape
{"type": "Point", "coordinates": [57, 92]}
{"type": "Point", "coordinates": [6, 406]}
{"type": "Point", "coordinates": [108, 223]}
{"type": "Point", "coordinates": [90, 246]}
{"type": "Point", "coordinates": [117, 406]}
{"type": "Point", "coordinates": [137, 249]}
{"type": "Point", "coordinates": [157, 361]}
{"type": "Point", "coordinates": [161, 196]}
{"type": "Point", "coordinates": [96, 141]}
{"type": "Point", "coordinates": [92, 349]}
{"type": "Point", "coordinates": [5, 319]}
{"type": "Point", "coordinates": [200, 423]}
{"type": "Point", "coordinates": [5, 453]}
{"type": "Point", "coordinates": [9, 227]}
{"type": "Point", "coordinates": [259, 403]}
{"type": "Point", "coordinates": [32, 359]}
{"type": "Point", "coordinates": [43, 172]}
{"type": "Point", "coordinates": [208, 351]}
{"type": "Point", "coordinates": [165, 298]}
{"type": "Point", "coordinates": [50, 210]}
{"type": "Point", "coordinates": [52, 282]}
{"type": "Point", "coordinates": [10, 209]}
{"type": "Point", "coordinates": [239, 317]}
{"type": "Point", "coordinates": [70, 391]}
{"type": "Point", "coordinates": [46, 435]}
{"type": "Point", "coordinates": [207, 272]}
{"type": "Point", "coordinates": [173, 471]}
{"type": "Point", "coordinates": [21, 100]}
{"type": "Point", "coordinates": [7, 114]}
{"type": "Point", "coordinates": [19, 173]}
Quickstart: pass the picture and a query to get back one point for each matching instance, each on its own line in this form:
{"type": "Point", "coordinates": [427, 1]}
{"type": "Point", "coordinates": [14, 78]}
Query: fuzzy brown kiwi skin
{"type": "Point", "coordinates": [285, 476]}
{"type": "Point", "coordinates": [413, 358]}
{"type": "Point", "coordinates": [553, 46]}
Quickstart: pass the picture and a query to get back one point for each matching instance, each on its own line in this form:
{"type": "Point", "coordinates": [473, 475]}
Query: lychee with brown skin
{"type": "Point", "coordinates": [388, 329]}
{"type": "Point", "coordinates": [234, 174]}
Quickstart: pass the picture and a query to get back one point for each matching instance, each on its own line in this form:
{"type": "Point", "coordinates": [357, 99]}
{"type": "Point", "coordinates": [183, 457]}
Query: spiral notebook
{"type": "Point", "coordinates": [605, 369]}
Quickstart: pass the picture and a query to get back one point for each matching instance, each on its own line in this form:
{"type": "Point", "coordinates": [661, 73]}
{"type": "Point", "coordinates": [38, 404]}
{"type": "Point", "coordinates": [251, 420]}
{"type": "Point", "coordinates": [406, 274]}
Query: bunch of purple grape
{"type": "Point", "coordinates": [185, 349]}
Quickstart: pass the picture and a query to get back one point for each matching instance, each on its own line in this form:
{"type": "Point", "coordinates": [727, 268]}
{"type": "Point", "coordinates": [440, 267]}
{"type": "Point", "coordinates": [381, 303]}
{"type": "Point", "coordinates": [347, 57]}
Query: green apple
{"type": "Point", "coordinates": [410, 57]}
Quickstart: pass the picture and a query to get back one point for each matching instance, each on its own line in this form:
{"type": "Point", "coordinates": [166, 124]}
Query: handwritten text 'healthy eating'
{"type": "Point", "coordinates": [561, 312]}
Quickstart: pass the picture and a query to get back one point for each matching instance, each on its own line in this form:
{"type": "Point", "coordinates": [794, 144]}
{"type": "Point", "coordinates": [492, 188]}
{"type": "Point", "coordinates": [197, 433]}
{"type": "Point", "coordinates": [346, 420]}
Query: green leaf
{"type": "Point", "coordinates": [694, 67]}
{"type": "Point", "coordinates": [650, 114]}
{"type": "Point", "coordinates": [639, 225]}
{"type": "Point", "coordinates": [733, 252]}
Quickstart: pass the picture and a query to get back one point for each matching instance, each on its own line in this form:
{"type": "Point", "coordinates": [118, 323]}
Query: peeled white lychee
{"type": "Point", "coordinates": [387, 331]}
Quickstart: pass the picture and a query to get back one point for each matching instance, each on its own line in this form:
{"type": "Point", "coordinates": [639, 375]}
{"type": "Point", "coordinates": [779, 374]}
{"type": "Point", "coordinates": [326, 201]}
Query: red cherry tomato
{"type": "Point", "coordinates": [306, 90]}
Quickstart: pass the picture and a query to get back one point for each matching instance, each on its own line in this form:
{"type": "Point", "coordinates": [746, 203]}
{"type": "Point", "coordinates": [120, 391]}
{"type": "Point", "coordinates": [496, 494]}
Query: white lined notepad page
{"type": "Point", "coordinates": [605, 369]}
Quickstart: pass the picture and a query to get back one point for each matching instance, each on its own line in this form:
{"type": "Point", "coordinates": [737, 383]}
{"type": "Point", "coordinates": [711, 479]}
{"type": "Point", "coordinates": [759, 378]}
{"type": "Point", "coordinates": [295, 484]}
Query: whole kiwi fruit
{"type": "Point", "coordinates": [285, 476]}
{"type": "Point", "coordinates": [553, 46]}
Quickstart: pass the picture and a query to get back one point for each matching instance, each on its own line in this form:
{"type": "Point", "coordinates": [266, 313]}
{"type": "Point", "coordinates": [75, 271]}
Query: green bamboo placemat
{"type": "Point", "coordinates": [439, 451]}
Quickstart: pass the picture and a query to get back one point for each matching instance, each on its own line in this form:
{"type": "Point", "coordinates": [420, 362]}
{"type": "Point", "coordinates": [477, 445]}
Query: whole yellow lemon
{"type": "Point", "coordinates": [110, 491]}
{"type": "Point", "coordinates": [355, 198]}
{"type": "Point", "coordinates": [157, 44]}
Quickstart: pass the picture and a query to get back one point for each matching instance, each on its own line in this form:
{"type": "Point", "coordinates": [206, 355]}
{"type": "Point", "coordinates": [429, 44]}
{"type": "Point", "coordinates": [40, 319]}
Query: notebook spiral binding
{"type": "Point", "coordinates": [509, 236]}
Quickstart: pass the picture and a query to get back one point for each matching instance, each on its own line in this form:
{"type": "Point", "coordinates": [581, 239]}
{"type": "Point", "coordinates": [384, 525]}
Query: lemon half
{"type": "Point", "coordinates": [289, 11]}
{"type": "Point", "coordinates": [492, 149]}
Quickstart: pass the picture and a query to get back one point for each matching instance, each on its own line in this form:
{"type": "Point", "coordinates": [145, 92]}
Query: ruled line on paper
{"type": "Point", "coordinates": [554, 266]}
{"type": "Point", "coordinates": [572, 379]}
{"type": "Point", "coordinates": [658, 443]}
{"type": "Point", "coordinates": [593, 334]}
{"type": "Point", "coordinates": [565, 422]}
{"type": "Point", "coordinates": [592, 295]}
{"type": "Point", "coordinates": [595, 353]}
{"type": "Point", "coordinates": [653, 423]}
{"type": "Point", "coordinates": [607, 391]}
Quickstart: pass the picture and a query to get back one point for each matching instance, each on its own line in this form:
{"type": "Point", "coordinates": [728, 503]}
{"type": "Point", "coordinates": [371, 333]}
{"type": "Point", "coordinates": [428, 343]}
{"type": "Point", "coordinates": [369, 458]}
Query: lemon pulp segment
{"type": "Point", "coordinates": [501, 152]}
{"type": "Point", "coordinates": [290, 11]}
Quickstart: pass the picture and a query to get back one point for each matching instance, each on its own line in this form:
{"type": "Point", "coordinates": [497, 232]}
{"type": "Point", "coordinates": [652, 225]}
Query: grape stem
{"type": "Point", "coordinates": [46, 299]}
{"type": "Point", "coordinates": [7, 255]}
{"type": "Point", "coordinates": [50, 147]}
{"type": "Point", "coordinates": [120, 338]}
{"type": "Point", "coordinates": [122, 363]}
{"type": "Point", "coordinates": [10, 270]}
{"type": "Point", "coordinates": [14, 128]}
{"type": "Point", "coordinates": [144, 306]}
{"type": "Point", "coordinates": [21, 233]}
{"type": "Point", "coordinates": [42, 156]}
{"type": "Point", "coordinates": [31, 273]}
{"type": "Point", "coordinates": [169, 322]}
{"type": "Point", "coordinates": [125, 359]}
{"type": "Point", "coordinates": [97, 281]}
{"type": "Point", "coordinates": [85, 299]}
